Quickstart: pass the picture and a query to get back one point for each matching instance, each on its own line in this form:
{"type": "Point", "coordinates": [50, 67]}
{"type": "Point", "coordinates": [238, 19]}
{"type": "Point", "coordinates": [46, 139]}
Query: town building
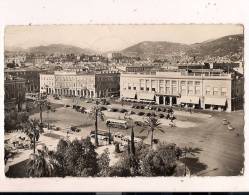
{"type": "Point", "coordinates": [14, 93]}
{"type": "Point", "coordinates": [31, 75]}
{"type": "Point", "coordinates": [139, 68]}
{"type": "Point", "coordinates": [204, 90]}
{"type": "Point", "coordinates": [80, 84]}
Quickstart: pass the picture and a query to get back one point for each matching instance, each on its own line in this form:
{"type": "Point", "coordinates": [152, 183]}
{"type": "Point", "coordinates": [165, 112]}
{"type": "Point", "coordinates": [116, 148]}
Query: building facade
{"type": "Point", "coordinates": [80, 84]}
{"type": "Point", "coordinates": [30, 75]}
{"type": "Point", "coordinates": [214, 91]}
{"type": "Point", "coordinates": [14, 92]}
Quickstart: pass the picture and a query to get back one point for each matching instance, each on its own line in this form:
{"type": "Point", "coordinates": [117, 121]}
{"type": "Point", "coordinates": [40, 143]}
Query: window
{"type": "Point", "coordinates": [197, 83]}
{"type": "Point", "coordinates": [134, 88]}
{"type": "Point", "coordinates": [174, 87]}
{"type": "Point", "coordinates": [167, 90]}
{"type": "Point", "coordinates": [190, 90]}
{"type": "Point", "coordinates": [223, 91]}
{"type": "Point", "coordinates": [216, 91]}
{"type": "Point", "coordinates": [208, 91]}
{"type": "Point", "coordinates": [153, 89]}
{"type": "Point", "coordinates": [129, 87]}
{"type": "Point", "coordinates": [190, 83]}
{"type": "Point", "coordinates": [147, 88]}
{"type": "Point", "coordinates": [197, 90]}
{"type": "Point", "coordinates": [167, 83]}
{"type": "Point", "coordinates": [142, 88]}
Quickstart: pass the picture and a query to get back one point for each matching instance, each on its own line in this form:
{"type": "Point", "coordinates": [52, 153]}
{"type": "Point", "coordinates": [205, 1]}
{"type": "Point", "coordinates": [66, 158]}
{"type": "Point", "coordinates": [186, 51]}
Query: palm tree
{"type": "Point", "coordinates": [186, 151]}
{"type": "Point", "coordinates": [96, 113]}
{"type": "Point", "coordinates": [152, 125]}
{"type": "Point", "coordinates": [30, 128]}
{"type": "Point", "coordinates": [41, 164]}
{"type": "Point", "coordinates": [41, 102]}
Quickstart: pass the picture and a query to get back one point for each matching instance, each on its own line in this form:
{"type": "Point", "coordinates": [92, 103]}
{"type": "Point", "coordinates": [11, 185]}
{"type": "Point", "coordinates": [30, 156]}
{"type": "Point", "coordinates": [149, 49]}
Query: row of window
{"type": "Point", "coordinates": [190, 90]}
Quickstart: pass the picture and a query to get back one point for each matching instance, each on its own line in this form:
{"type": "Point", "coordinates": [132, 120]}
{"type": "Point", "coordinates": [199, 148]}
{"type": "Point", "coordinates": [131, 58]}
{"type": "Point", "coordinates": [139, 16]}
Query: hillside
{"type": "Point", "coordinates": [155, 49]}
{"type": "Point", "coordinates": [59, 48]}
{"type": "Point", "coordinates": [228, 46]}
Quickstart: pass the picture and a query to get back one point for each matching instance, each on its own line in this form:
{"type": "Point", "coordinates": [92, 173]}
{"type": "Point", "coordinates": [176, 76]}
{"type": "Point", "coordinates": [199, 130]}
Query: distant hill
{"type": "Point", "coordinates": [224, 46]}
{"type": "Point", "coordinates": [59, 48]}
{"type": "Point", "coordinates": [227, 45]}
{"type": "Point", "coordinates": [155, 49]}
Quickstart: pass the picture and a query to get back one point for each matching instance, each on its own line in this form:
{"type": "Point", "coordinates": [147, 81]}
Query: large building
{"type": "Point", "coordinates": [31, 76]}
{"type": "Point", "coordinates": [14, 92]}
{"type": "Point", "coordinates": [205, 90]}
{"type": "Point", "coordinates": [81, 84]}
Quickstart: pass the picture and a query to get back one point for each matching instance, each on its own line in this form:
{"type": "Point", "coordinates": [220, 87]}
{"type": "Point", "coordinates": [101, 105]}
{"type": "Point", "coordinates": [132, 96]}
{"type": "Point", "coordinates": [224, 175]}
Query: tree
{"type": "Point", "coordinates": [103, 164]}
{"type": "Point", "coordinates": [152, 125]}
{"type": "Point", "coordinates": [62, 147]}
{"type": "Point", "coordinates": [30, 128]}
{"type": "Point", "coordinates": [41, 164]}
{"type": "Point", "coordinates": [41, 102]}
{"type": "Point", "coordinates": [96, 113]}
{"type": "Point", "coordinates": [159, 162]}
{"type": "Point", "coordinates": [81, 158]}
{"type": "Point", "coordinates": [188, 151]}
{"type": "Point", "coordinates": [132, 144]}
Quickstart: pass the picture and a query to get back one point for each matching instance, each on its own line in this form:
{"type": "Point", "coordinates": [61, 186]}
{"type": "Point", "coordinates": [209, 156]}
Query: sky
{"type": "Point", "coordinates": [105, 38]}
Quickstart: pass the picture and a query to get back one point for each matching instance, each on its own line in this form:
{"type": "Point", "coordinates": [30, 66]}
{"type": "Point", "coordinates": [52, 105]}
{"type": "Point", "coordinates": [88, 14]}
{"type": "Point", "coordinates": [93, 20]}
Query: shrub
{"type": "Point", "coordinates": [142, 107]}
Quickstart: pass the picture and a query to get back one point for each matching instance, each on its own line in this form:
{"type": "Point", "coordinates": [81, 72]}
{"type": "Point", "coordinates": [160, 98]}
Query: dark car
{"type": "Point", "coordinates": [148, 114]}
{"type": "Point", "coordinates": [123, 110]}
{"type": "Point", "coordinates": [161, 115]}
{"type": "Point", "coordinates": [139, 123]}
{"type": "Point", "coordinates": [141, 113]}
{"type": "Point", "coordinates": [75, 129]}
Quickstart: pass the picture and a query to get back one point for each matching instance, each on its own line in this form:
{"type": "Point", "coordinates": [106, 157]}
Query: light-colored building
{"type": "Point", "coordinates": [214, 91]}
{"type": "Point", "coordinates": [80, 84]}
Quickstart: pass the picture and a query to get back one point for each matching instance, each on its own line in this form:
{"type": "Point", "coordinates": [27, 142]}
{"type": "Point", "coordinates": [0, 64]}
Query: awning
{"type": "Point", "coordinates": [189, 99]}
{"type": "Point", "coordinates": [146, 96]}
{"type": "Point", "coordinates": [215, 101]}
{"type": "Point", "coordinates": [128, 94]}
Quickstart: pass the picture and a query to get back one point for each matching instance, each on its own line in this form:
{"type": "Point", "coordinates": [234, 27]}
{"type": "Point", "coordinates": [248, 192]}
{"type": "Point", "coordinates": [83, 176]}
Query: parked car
{"type": "Point", "coordinates": [141, 113]}
{"type": "Point", "coordinates": [114, 110]}
{"type": "Point", "coordinates": [148, 114]}
{"type": "Point", "coordinates": [123, 110]}
{"type": "Point", "coordinates": [131, 112]}
{"type": "Point", "coordinates": [75, 129]}
{"type": "Point", "coordinates": [139, 123]}
{"type": "Point", "coordinates": [161, 115]}
{"type": "Point", "coordinates": [67, 106]}
{"type": "Point", "coordinates": [102, 108]}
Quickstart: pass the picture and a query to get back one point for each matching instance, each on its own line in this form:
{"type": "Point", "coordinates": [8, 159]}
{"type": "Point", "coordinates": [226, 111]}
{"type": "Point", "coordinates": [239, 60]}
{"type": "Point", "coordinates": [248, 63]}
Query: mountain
{"type": "Point", "coordinates": [225, 46]}
{"type": "Point", "coordinates": [155, 49]}
{"type": "Point", "coordinates": [59, 49]}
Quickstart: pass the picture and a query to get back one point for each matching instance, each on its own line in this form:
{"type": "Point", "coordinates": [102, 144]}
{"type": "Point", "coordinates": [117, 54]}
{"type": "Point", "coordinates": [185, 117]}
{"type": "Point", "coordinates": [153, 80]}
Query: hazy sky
{"type": "Point", "coordinates": [112, 37]}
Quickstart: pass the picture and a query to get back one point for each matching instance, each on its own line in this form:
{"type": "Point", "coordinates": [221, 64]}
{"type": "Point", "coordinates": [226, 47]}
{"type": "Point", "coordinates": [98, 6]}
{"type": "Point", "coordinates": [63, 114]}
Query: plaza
{"type": "Point", "coordinates": [220, 149]}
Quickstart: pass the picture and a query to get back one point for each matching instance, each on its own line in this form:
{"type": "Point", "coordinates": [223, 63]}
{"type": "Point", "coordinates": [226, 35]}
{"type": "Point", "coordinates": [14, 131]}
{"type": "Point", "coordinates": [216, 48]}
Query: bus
{"type": "Point", "coordinates": [122, 124]}
{"type": "Point", "coordinates": [102, 135]}
{"type": "Point", "coordinates": [31, 96]}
